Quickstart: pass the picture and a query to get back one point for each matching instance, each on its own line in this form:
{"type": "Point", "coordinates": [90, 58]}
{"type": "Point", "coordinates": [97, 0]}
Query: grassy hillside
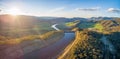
{"type": "Point", "coordinates": [110, 25]}
{"type": "Point", "coordinates": [88, 44]}
{"type": "Point", "coordinates": [44, 36]}
{"type": "Point", "coordinates": [72, 24]}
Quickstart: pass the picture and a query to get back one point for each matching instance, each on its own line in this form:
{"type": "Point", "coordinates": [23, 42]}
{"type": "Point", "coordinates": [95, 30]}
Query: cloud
{"type": "Point", "coordinates": [113, 10]}
{"type": "Point", "coordinates": [57, 9]}
{"type": "Point", "coordinates": [87, 9]}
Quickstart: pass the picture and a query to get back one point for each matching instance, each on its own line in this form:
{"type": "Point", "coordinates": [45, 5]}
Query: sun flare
{"type": "Point", "coordinates": [14, 11]}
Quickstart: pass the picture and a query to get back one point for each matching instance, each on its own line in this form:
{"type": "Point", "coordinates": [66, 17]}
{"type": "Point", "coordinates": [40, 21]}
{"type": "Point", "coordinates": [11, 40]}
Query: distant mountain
{"type": "Point", "coordinates": [102, 18]}
{"type": "Point", "coordinates": [33, 19]}
{"type": "Point", "coordinates": [79, 18]}
{"type": "Point", "coordinates": [28, 21]}
{"type": "Point", "coordinates": [48, 18]}
{"type": "Point", "coordinates": [93, 18]}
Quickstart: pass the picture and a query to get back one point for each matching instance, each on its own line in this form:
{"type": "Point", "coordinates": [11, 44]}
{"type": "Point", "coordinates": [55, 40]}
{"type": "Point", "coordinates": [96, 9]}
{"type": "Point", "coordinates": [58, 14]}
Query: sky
{"type": "Point", "coordinates": [62, 8]}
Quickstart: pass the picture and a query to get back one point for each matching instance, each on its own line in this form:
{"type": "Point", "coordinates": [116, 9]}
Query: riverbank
{"type": "Point", "coordinates": [86, 45]}
{"type": "Point", "coordinates": [67, 49]}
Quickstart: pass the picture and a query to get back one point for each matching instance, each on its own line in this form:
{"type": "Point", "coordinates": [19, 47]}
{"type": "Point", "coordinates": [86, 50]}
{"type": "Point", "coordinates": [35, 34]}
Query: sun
{"type": "Point", "coordinates": [14, 11]}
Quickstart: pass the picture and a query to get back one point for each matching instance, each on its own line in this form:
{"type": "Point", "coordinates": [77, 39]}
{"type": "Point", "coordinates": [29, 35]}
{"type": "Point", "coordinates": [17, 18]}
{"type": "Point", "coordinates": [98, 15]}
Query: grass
{"type": "Point", "coordinates": [62, 26]}
{"type": "Point", "coordinates": [71, 24]}
{"type": "Point", "coordinates": [99, 27]}
{"type": "Point", "coordinates": [67, 25]}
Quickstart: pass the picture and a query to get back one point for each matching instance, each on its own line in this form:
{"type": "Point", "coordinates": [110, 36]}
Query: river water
{"type": "Point", "coordinates": [51, 51]}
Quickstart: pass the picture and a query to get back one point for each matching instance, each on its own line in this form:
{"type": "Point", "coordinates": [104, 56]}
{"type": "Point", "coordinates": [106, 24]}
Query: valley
{"type": "Point", "coordinates": [60, 38]}
{"type": "Point", "coordinates": [59, 29]}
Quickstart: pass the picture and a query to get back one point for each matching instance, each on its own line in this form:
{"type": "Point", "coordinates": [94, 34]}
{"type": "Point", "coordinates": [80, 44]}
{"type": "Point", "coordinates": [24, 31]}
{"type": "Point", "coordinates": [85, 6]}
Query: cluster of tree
{"type": "Point", "coordinates": [115, 40]}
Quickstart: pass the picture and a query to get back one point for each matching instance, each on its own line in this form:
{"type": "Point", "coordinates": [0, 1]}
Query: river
{"type": "Point", "coordinates": [51, 51]}
{"type": "Point", "coordinates": [18, 51]}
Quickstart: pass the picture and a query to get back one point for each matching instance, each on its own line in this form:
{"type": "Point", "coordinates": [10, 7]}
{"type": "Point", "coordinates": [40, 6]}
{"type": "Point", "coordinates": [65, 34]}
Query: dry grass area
{"type": "Point", "coordinates": [30, 37]}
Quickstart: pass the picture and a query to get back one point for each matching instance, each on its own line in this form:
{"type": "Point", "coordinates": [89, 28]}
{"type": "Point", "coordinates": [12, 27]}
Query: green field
{"type": "Point", "coordinates": [99, 27]}
{"type": "Point", "coordinates": [72, 24]}
{"type": "Point", "coordinates": [67, 25]}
